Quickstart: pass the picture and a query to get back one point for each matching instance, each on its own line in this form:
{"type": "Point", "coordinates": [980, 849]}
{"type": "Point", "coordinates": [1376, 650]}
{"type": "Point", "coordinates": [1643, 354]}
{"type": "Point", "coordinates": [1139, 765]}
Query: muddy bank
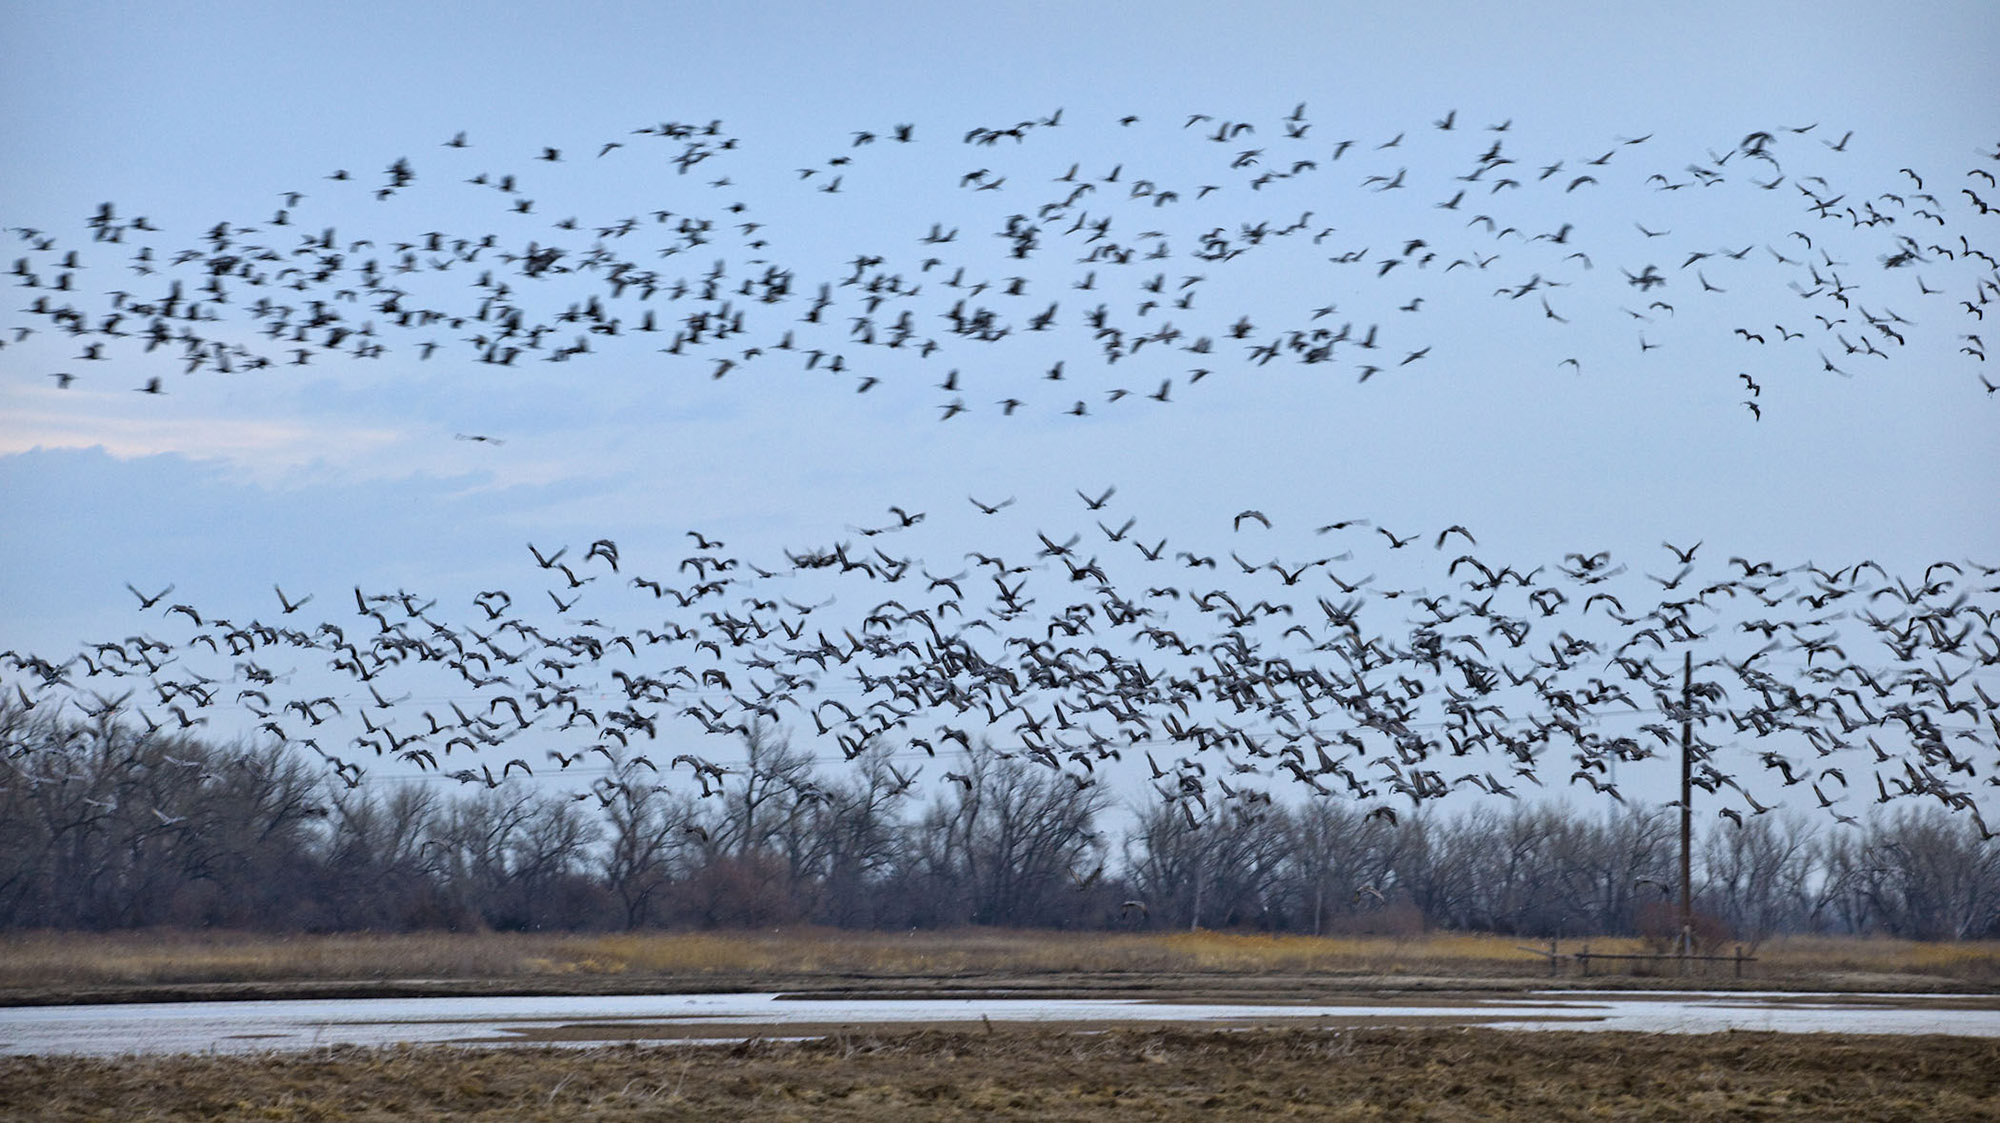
{"type": "Point", "coordinates": [1040, 1073]}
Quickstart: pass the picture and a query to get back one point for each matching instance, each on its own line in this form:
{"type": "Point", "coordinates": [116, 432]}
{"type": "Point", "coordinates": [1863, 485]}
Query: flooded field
{"type": "Point", "coordinates": [249, 1027]}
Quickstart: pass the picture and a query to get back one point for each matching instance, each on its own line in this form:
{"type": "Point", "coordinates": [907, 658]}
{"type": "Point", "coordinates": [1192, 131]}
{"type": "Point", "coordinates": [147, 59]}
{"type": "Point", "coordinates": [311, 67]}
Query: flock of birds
{"type": "Point", "coordinates": [1222, 672]}
{"type": "Point", "coordinates": [1102, 649]}
{"type": "Point", "coordinates": [1219, 244]}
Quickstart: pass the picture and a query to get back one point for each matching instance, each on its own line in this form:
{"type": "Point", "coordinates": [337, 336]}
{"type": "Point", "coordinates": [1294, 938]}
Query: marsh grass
{"type": "Point", "coordinates": [55, 962]}
{"type": "Point", "coordinates": [1021, 1072]}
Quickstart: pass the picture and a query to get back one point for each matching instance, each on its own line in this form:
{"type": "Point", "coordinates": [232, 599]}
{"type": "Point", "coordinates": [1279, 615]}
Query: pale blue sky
{"type": "Point", "coordinates": [347, 472]}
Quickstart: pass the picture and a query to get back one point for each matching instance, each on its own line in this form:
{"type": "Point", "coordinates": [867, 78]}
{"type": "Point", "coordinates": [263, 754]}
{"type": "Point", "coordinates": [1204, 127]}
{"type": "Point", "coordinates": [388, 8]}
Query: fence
{"type": "Point", "coordinates": [1638, 962]}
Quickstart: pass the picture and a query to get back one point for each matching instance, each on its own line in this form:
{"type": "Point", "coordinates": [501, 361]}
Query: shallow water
{"type": "Point", "coordinates": [238, 1027]}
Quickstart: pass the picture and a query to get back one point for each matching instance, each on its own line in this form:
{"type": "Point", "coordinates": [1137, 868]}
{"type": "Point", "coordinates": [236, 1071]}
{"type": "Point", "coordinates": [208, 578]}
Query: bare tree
{"type": "Point", "coordinates": [106, 823]}
{"type": "Point", "coordinates": [547, 858]}
{"type": "Point", "coordinates": [761, 801]}
{"type": "Point", "coordinates": [859, 841]}
{"type": "Point", "coordinates": [652, 840]}
{"type": "Point", "coordinates": [1337, 861]}
{"type": "Point", "coordinates": [1217, 867]}
{"type": "Point", "coordinates": [1758, 877]}
{"type": "Point", "coordinates": [379, 858]}
{"type": "Point", "coordinates": [1931, 877]}
{"type": "Point", "coordinates": [1017, 837]}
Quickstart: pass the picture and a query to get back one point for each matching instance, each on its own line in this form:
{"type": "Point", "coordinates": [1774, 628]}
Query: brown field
{"type": "Point", "coordinates": [1022, 1073]}
{"type": "Point", "coordinates": [1005, 1071]}
{"type": "Point", "coordinates": [72, 967]}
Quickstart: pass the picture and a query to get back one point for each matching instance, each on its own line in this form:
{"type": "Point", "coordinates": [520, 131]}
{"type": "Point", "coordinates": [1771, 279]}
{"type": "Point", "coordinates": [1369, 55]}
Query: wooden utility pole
{"type": "Point", "coordinates": [1687, 809]}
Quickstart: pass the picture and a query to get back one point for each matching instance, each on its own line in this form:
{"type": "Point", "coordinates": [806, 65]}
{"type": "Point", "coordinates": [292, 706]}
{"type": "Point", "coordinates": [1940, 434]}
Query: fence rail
{"type": "Point", "coordinates": [1558, 960]}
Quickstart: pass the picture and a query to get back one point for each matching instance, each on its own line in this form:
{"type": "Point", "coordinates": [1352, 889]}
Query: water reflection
{"type": "Point", "coordinates": [195, 1027]}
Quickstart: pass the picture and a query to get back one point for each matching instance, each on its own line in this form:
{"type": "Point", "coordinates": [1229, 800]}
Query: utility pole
{"type": "Point", "coordinates": [1687, 808]}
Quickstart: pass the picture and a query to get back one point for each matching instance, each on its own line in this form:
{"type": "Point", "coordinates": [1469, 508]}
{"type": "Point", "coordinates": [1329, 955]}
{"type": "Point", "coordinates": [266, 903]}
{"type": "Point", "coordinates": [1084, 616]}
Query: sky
{"type": "Point", "coordinates": [1528, 384]}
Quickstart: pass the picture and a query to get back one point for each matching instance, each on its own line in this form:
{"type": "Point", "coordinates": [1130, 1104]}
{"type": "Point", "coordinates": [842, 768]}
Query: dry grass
{"type": "Point", "coordinates": [48, 965]}
{"type": "Point", "coordinates": [1008, 952]}
{"type": "Point", "coordinates": [1023, 1073]}
{"type": "Point", "coordinates": [167, 957]}
{"type": "Point", "coordinates": [1972, 960]}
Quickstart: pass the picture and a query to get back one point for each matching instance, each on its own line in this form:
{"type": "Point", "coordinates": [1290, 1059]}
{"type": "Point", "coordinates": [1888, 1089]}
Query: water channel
{"type": "Point", "coordinates": [238, 1027]}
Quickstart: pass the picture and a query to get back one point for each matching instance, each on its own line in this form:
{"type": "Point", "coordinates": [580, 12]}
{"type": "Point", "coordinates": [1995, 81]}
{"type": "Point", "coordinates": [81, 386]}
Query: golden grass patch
{"type": "Point", "coordinates": [53, 962]}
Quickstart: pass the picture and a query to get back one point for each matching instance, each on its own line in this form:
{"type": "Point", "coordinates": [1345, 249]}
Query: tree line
{"type": "Point", "coordinates": [106, 827]}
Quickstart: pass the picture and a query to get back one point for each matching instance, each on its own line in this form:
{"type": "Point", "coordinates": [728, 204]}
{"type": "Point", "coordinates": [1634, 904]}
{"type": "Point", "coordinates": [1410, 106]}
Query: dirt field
{"type": "Point", "coordinates": [1017, 1073]}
